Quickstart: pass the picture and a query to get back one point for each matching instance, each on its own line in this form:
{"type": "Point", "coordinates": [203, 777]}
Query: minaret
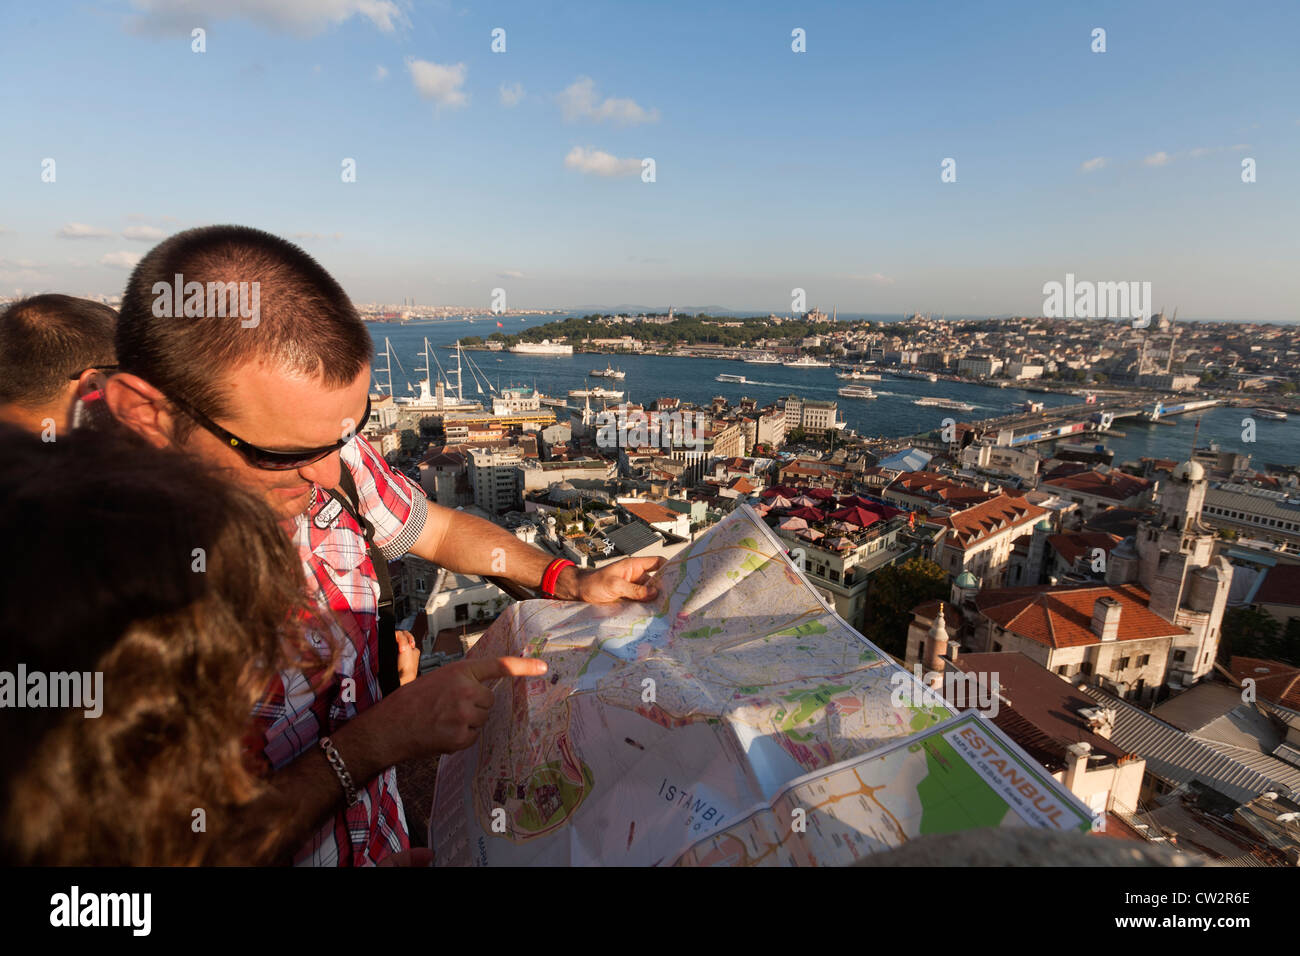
{"type": "Point", "coordinates": [936, 646]}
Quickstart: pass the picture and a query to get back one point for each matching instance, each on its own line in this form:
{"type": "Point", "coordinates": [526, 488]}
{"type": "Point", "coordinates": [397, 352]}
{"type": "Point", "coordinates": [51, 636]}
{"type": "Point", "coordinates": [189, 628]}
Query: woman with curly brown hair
{"type": "Point", "coordinates": [131, 567]}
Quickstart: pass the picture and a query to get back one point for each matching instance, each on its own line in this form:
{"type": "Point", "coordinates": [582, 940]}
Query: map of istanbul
{"type": "Point", "coordinates": [736, 720]}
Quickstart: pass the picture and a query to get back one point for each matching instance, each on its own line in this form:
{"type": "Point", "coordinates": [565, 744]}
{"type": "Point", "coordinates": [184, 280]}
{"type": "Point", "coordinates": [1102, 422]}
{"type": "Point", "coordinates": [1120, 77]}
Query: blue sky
{"type": "Point", "coordinates": [774, 169]}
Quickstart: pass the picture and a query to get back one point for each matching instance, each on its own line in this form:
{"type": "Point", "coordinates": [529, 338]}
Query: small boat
{"type": "Point", "coordinates": [731, 378]}
{"type": "Point", "coordinates": [807, 361]}
{"type": "Point", "coordinates": [949, 403]}
{"type": "Point", "coordinates": [763, 358]}
{"type": "Point", "coordinates": [607, 373]}
{"type": "Point", "coordinates": [1269, 414]}
{"type": "Point", "coordinates": [857, 375]}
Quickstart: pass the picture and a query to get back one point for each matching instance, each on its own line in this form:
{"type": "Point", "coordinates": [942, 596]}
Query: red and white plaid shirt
{"type": "Point", "coordinates": [341, 577]}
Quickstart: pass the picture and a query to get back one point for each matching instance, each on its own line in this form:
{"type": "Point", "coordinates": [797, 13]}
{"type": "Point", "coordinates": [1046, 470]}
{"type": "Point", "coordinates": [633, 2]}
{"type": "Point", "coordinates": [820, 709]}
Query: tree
{"type": "Point", "coordinates": [895, 591]}
{"type": "Point", "coordinates": [1248, 632]}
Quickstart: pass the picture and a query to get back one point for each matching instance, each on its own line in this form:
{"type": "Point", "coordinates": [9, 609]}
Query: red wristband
{"type": "Point", "coordinates": [552, 575]}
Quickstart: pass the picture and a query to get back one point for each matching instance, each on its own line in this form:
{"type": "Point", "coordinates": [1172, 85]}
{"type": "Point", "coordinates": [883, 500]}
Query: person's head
{"type": "Point", "coordinates": [52, 348]}
{"type": "Point", "coordinates": [233, 342]}
{"type": "Point", "coordinates": [178, 588]}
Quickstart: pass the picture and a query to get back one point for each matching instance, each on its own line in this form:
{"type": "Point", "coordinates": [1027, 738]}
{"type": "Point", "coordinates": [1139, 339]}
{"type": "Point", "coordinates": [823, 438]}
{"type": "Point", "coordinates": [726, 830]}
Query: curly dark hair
{"type": "Point", "coordinates": [186, 595]}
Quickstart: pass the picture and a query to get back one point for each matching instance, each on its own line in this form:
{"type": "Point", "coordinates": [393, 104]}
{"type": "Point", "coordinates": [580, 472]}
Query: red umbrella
{"type": "Point", "coordinates": [822, 493]}
{"type": "Point", "coordinates": [860, 516]}
{"type": "Point", "coordinates": [858, 501]}
{"type": "Point", "coordinates": [783, 490]}
{"type": "Point", "coordinates": [808, 514]}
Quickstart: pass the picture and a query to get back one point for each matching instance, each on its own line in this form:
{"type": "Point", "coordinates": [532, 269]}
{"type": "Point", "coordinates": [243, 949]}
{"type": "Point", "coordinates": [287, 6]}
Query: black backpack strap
{"type": "Point", "coordinates": [387, 612]}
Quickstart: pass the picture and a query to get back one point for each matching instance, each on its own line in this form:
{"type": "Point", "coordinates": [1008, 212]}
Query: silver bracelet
{"type": "Point", "coordinates": [341, 770]}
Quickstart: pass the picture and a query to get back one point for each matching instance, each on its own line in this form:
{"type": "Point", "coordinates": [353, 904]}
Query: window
{"type": "Point", "coordinates": [462, 612]}
{"type": "Point", "coordinates": [1085, 668]}
{"type": "Point", "coordinates": [1123, 664]}
{"type": "Point", "coordinates": [1063, 670]}
{"type": "Point", "coordinates": [834, 575]}
{"type": "Point", "coordinates": [1179, 655]}
{"type": "Point", "coordinates": [1143, 661]}
{"type": "Point", "coordinates": [997, 646]}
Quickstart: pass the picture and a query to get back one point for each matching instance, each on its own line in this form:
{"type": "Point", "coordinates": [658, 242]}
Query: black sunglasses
{"type": "Point", "coordinates": [264, 457]}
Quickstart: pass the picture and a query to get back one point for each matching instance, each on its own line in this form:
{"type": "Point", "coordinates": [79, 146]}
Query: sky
{"type": "Point", "coordinates": [773, 170]}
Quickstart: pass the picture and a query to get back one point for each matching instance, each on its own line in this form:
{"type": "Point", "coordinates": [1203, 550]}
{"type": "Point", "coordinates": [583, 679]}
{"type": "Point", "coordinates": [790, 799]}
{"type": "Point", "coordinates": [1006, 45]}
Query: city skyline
{"type": "Point", "coordinates": [775, 170]}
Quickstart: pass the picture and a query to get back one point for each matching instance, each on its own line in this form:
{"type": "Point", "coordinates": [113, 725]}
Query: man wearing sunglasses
{"type": "Point", "coordinates": [276, 403]}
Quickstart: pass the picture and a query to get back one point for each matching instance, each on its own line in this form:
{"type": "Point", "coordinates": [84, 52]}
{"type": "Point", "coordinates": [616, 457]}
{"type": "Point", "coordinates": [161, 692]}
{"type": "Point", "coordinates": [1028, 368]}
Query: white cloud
{"type": "Point", "coordinates": [303, 17]}
{"type": "Point", "coordinates": [511, 274]}
{"type": "Point", "coordinates": [578, 102]}
{"type": "Point", "coordinates": [120, 260]}
{"type": "Point", "coordinates": [143, 233]}
{"type": "Point", "coordinates": [875, 278]}
{"type": "Point", "coordinates": [1239, 146]}
{"type": "Point", "coordinates": [1097, 162]}
{"type": "Point", "coordinates": [1157, 159]}
{"type": "Point", "coordinates": [79, 230]}
{"type": "Point", "coordinates": [381, 72]}
{"type": "Point", "coordinates": [21, 270]}
{"type": "Point", "coordinates": [1200, 151]}
{"type": "Point", "coordinates": [600, 163]}
{"type": "Point", "coordinates": [511, 95]}
{"type": "Point", "coordinates": [438, 82]}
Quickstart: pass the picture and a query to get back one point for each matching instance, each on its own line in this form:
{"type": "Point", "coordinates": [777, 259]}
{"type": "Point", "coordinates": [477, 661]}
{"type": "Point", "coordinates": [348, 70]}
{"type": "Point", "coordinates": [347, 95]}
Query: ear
{"type": "Point", "coordinates": [140, 407]}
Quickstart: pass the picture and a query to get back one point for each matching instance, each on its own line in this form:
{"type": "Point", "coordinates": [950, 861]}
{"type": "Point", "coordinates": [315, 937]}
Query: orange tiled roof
{"type": "Point", "coordinates": [928, 484]}
{"type": "Point", "coordinates": [981, 521]}
{"type": "Point", "coordinates": [650, 512]}
{"type": "Point", "coordinates": [1074, 545]}
{"type": "Point", "coordinates": [1062, 617]}
{"type": "Point", "coordinates": [1114, 485]}
{"type": "Point", "coordinates": [1274, 680]}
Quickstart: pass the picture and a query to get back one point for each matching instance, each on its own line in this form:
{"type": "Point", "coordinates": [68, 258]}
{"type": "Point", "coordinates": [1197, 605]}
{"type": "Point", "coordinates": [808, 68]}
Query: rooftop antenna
{"type": "Point", "coordinates": [1195, 433]}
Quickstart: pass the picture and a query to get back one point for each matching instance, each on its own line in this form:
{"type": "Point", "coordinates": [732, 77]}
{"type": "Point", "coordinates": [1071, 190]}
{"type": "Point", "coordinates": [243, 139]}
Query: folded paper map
{"type": "Point", "coordinates": [735, 720]}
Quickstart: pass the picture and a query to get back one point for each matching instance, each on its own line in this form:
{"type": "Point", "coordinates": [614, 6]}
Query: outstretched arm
{"type": "Point", "coordinates": [470, 545]}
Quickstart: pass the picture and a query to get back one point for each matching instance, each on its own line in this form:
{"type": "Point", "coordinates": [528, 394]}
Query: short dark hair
{"type": "Point", "coordinates": [46, 339]}
{"type": "Point", "coordinates": [305, 323]}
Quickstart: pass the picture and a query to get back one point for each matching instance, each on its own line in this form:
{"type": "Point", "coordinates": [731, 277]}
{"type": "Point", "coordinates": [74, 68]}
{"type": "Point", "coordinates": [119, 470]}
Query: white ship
{"type": "Point", "coordinates": [1269, 414]}
{"type": "Point", "coordinates": [949, 403]}
{"type": "Point", "coordinates": [544, 347]}
{"type": "Point", "coordinates": [807, 361]}
{"type": "Point", "coordinates": [856, 391]}
{"type": "Point", "coordinates": [731, 378]}
{"type": "Point", "coordinates": [857, 375]}
{"type": "Point", "coordinates": [442, 397]}
{"type": "Point", "coordinates": [597, 392]}
{"type": "Point", "coordinates": [911, 373]}
{"type": "Point", "coordinates": [763, 358]}
{"type": "Point", "coordinates": [607, 372]}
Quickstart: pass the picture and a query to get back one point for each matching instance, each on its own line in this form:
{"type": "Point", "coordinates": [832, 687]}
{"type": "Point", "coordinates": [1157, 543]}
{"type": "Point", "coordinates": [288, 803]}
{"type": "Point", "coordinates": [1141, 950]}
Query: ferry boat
{"type": "Point", "coordinates": [949, 403]}
{"type": "Point", "coordinates": [763, 358]}
{"type": "Point", "coordinates": [856, 391]}
{"type": "Point", "coordinates": [598, 392]}
{"type": "Point", "coordinates": [607, 372]}
{"type": "Point", "coordinates": [912, 373]}
{"type": "Point", "coordinates": [544, 347]}
{"type": "Point", "coordinates": [1269, 414]}
{"type": "Point", "coordinates": [731, 378]}
{"type": "Point", "coordinates": [807, 361]}
{"type": "Point", "coordinates": [857, 375]}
